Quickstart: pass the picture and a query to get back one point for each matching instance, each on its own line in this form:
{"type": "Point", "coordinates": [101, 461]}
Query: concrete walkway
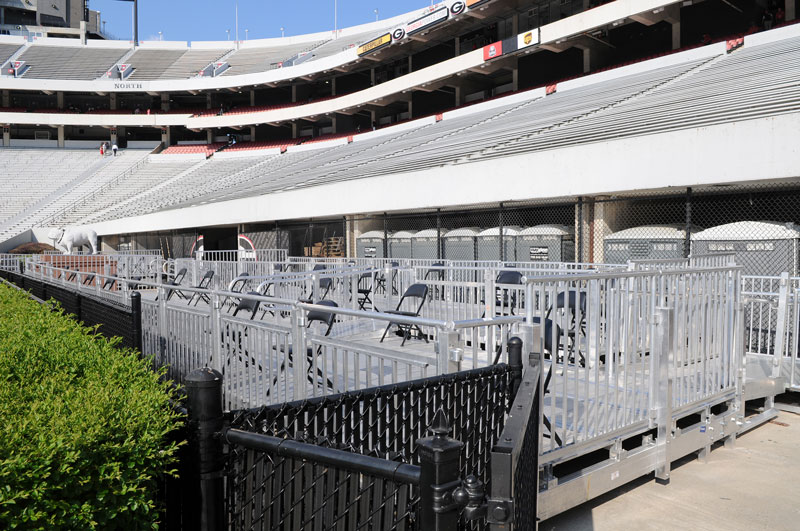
{"type": "Point", "coordinates": [754, 486]}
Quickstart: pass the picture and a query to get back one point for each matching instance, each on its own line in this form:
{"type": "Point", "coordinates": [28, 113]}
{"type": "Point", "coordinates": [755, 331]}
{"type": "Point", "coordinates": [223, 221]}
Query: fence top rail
{"type": "Point", "coordinates": [395, 471]}
{"type": "Point", "coordinates": [627, 274]}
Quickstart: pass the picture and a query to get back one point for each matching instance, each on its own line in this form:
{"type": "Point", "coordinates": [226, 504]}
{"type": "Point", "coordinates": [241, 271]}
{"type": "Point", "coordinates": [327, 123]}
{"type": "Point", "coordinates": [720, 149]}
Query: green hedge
{"type": "Point", "coordinates": [85, 425]}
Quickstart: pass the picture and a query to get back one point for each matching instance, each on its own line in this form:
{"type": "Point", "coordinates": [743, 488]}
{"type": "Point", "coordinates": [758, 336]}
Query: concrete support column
{"type": "Point", "coordinates": [208, 100]}
{"type": "Point", "coordinates": [372, 77]}
{"type": "Point", "coordinates": [210, 135]}
{"type": "Point", "coordinates": [294, 93]}
{"type": "Point", "coordinates": [333, 87]}
{"type": "Point", "coordinates": [112, 135]}
{"type": "Point", "coordinates": [515, 79]}
{"type": "Point", "coordinates": [6, 135]}
{"type": "Point", "coordinates": [457, 46]}
{"type": "Point", "coordinates": [791, 10]}
{"type": "Point", "coordinates": [2, 15]}
{"type": "Point", "coordinates": [83, 28]}
{"type": "Point", "coordinates": [252, 133]}
{"type": "Point", "coordinates": [6, 98]}
{"type": "Point", "coordinates": [112, 101]}
{"type": "Point", "coordinates": [676, 35]}
{"type": "Point", "coordinates": [333, 124]}
{"type": "Point", "coordinates": [166, 136]}
{"type": "Point", "coordinates": [294, 129]}
{"type": "Point", "coordinates": [60, 130]}
{"type": "Point", "coordinates": [373, 118]}
{"type": "Point", "coordinates": [165, 101]}
{"type": "Point", "coordinates": [587, 60]}
{"type": "Point", "coordinates": [515, 24]}
{"type": "Point", "coordinates": [604, 220]}
{"type": "Point", "coordinates": [60, 100]}
{"type": "Point", "coordinates": [410, 65]}
{"type": "Point", "coordinates": [459, 100]}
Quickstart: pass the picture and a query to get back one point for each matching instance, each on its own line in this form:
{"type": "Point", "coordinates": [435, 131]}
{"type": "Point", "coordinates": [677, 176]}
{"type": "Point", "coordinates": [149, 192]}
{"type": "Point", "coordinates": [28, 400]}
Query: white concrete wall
{"type": "Point", "coordinates": [735, 152]}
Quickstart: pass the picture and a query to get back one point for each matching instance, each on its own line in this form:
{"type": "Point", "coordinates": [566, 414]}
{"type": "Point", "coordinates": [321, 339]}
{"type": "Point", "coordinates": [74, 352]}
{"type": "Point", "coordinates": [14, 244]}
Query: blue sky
{"type": "Point", "coordinates": [186, 20]}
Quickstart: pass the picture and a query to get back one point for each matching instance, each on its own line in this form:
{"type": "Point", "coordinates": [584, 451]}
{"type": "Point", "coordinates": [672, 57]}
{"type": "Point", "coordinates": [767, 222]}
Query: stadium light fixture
{"type": "Point", "coordinates": [282, 31]}
{"type": "Point", "coordinates": [228, 33]}
{"type": "Point", "coordinates": [245, 33]}
{"type": "Point", "coordinates": [376, 15]}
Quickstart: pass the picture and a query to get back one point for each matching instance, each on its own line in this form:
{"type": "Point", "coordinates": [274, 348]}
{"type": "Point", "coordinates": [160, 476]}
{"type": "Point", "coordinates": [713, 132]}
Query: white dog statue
{"type": "Point", "coordinates": [66, 239]}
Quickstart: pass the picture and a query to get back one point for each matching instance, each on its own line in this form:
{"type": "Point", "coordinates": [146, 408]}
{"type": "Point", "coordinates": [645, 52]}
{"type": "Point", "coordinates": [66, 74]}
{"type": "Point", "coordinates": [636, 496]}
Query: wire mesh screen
{"type": "Point", "coordinates": [386, 422]}
{"type": "Point", "coordinates": [274, 492]}
{"type": "Point", "coordinates": [526, 473]}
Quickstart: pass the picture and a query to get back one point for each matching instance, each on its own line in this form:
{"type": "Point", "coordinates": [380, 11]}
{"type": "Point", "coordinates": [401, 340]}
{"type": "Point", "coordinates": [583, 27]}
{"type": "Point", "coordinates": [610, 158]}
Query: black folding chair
{"type": "Point", "coordinates": [365, 292]}
{"type": "Point", "coordinates": [109, 283]}
{"type": "Point", "coordinates": [551, 349]}
{"type": "Point", "coordinates": [87, 280]}
{"type": "Point", "coordinates": [570, 302]}
{"type": "Point", "coordinates": [204, 283]}
{"type": "Point", "coordinates": [325, 285]}
{"type": "Point", "coordinates": [248, 305]}
{"type": "Point", "coordinates": [328, 319]}
{"type": "Point", "coordinates": [415, 291]}
{"type": "Point", "coordinates": [502, 299]}
{"type": "Point", "coordinates": [170, 285]}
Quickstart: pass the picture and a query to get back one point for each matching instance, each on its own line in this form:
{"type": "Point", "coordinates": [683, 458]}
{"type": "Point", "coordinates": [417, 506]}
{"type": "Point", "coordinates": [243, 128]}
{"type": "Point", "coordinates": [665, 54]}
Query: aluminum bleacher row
{"type": "Point", "coordinates": [28, 199]}
{"type": "Point", "coordinates": [171, 64]}
{"type": "Point", "coordinates": [69, 62]}
{"type": "Point", "coordinates": [252, 60]}
{"type": "Point", "coordinates": [6, 51]}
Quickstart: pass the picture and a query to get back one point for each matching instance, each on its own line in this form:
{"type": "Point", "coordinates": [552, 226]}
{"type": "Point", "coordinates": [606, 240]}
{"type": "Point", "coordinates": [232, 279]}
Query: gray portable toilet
{"type": "Point", "coordinates": [648, 242]}
{"type": "Point", "coordinates": [370, 244]}
{"type": "Point", "coordinates": [459, 244]}
{"type": "Point", "coordinates": [546, 243]}
{"type": "Point", "coordinates": [425, 243]}
{"type": "Point", "coordinates": [761, 247]}
{"type": "Point", "coordinates": [400, 244]}
{"type": "Point", "coordinates": [488, 245]}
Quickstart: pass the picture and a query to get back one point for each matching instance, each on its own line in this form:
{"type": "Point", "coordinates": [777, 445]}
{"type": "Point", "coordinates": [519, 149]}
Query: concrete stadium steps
{"type": "Point", "coordinates": [48, 62]}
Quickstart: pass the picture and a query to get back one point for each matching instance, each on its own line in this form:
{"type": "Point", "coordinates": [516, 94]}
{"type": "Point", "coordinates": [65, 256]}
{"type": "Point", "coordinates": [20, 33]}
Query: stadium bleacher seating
{"type": "Point", "coordinates": [266, 144]}
{"type": "Point", "coordinates": [252, 60]}
{"type": "Point", "coordinates": [48, 62]}
{"type": "Point", "coordinates": [206, 149]}
{"type": "Point", "coordinates": [27, 199]}
{"type": "Point", "coordinates": [171, 64]}
{"type": "Point", "coordinates": [6, 51]}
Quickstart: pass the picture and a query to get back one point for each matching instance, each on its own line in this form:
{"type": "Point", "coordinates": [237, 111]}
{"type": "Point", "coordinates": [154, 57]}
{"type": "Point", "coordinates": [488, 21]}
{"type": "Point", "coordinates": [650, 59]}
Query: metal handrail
{"type": "Point", "coordinates": [94, 194]}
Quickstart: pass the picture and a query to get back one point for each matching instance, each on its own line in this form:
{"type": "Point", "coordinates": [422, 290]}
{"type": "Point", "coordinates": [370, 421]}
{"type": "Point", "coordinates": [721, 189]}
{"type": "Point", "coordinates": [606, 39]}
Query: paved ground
{"type": "Point", "coordinates": [754, 486]}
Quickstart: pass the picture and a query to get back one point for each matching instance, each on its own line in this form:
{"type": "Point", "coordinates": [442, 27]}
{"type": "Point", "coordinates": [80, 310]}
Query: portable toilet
{"type": "Point", "coordinates": [649, 242]}
{"type": "Point", "coordinates": [400, 244]}
{"type": "Point", "coordinates": [546, 243]}
{"type": "Point", "coordinates": [488, 246]}
{"type": "Point", "coordinates": [370, 244]}
{"type": "Point", "coordinates": [761, 247]}
{"type": "Point", "coordinates": [425, 244]}
{"type": "Point", "coordinates": [459, 244]}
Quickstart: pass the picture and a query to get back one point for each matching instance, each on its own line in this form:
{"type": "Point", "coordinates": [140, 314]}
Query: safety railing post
{"type": "Point", "coordinates": [299, 362]}
{"type": "Point", "coordinates": [449, 355]}
{"type": "Point", "coordinates": [439, 458]}
{"type": "Point", "coordinates": [216, 331]}
{"type": "Point", "coordinates": [489, 294]}
{"type": "Point", "coordinates": [780, 329]}
{"type": "Point", "coordinates": [162, 325]}
{"type": "Point", "coordinates": [136, 319]}
{"type": "Point", "coordinates": [204, 423]}
{"type": "Point", "coordinates": [515, 362]}
{"type": "Point", "coordinates": [663, 384]}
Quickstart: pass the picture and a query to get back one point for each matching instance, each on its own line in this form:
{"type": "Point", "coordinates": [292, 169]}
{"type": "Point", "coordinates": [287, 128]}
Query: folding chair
{"type": "Point", "coordinates": [502, 299]}
{"type": "Point", "coordinates": [204, 283]}
{"type": "Point", "coordinates": [109, 283]}
{"type": "Point", "coordinates": [364, 293]}
{"type": "Point", "coordinates": [71, 276]}
{"type": "Point", "coordinates": [415, 291]}
{"type": "Point", "coordinates": [569, 302]}
{"type": "Point", "coordinates": [325, 284]}
{"type": "Point", "coordinates": [237, 286]}
{"type": "Point", "coordinates": [87, 280]}
{"type": "Point", "coordinates": [327, 318]}
{"type": "Point", "coordinates": [170, 285]}
{"type": "Point", "coordinates": [552, 350]}
{"type": "Point", "coordinates": [249, 305]}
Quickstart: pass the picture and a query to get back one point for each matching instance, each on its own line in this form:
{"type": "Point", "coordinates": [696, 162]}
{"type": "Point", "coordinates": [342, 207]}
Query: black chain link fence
{"type": "Point", "coordinates": [383, 422]}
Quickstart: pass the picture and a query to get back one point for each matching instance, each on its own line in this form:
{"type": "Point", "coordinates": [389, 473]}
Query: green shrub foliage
{"type": "Point", "coordinates": [85, 425]}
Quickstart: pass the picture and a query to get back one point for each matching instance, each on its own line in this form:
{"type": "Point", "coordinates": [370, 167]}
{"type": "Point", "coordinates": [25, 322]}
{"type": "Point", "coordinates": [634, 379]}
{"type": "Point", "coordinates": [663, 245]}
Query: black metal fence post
{"type": "Point", "coordinates": [515, 362]}
{"type": "Point", "coordinates": [439, 476]}
{"type": "Point", "coordinates": [136, 320]}
{"type": "Point", "coordinates": [204, 407]}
